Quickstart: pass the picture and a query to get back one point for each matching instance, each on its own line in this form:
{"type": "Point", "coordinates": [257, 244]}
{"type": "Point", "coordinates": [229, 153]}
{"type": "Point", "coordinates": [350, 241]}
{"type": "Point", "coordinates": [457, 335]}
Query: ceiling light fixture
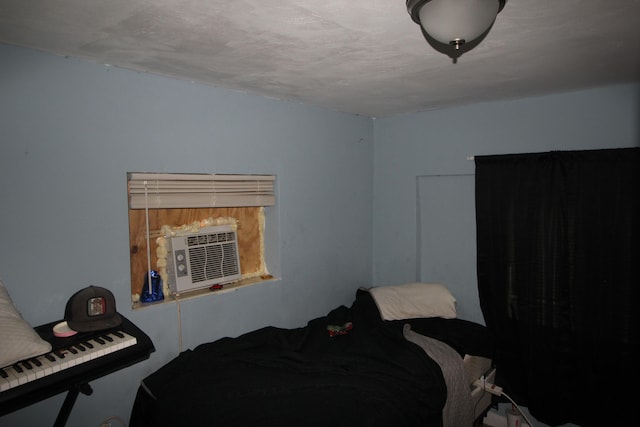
{"type": "Point", "coordinates": [454, 22]}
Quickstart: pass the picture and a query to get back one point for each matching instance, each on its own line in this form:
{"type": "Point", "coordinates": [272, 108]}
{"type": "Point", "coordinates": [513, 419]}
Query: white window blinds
{"type": "Point", "coordinates": [172, 190]}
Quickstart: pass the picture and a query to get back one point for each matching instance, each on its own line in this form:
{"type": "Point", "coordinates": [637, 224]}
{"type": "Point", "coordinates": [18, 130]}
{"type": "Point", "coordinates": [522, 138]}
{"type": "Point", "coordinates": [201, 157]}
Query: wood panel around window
{"type": "Point", "coordinates": [250, 232]}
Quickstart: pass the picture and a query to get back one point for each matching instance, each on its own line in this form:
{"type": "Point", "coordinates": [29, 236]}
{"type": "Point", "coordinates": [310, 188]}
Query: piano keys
{"type": "Point", "coordinates": [73, 362]}
{"type": "Point", "coordinates": [76, 353]}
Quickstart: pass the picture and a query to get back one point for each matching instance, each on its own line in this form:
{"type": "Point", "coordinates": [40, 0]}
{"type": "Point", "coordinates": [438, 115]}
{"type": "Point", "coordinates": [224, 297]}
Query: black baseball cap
{"type": "Point", "coordinates": [92, 309]}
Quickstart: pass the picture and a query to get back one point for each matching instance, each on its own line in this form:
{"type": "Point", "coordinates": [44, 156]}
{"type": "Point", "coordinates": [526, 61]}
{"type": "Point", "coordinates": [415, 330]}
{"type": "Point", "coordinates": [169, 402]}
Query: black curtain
{"type": "Point", "coordinates": [558, 247]}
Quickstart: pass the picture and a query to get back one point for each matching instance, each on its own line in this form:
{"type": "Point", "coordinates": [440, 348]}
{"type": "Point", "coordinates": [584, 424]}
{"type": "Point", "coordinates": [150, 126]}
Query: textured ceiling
{"type": "Point", "coordinates": [359, 56]}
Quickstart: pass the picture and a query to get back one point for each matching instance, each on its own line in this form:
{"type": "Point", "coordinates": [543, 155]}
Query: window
{"type": "Point", "coordinates": [162, 205]}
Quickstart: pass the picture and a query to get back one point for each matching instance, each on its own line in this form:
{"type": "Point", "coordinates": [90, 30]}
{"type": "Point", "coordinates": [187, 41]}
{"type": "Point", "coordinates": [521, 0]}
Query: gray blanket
{"type": "Point", "coordinates": [458, 410]}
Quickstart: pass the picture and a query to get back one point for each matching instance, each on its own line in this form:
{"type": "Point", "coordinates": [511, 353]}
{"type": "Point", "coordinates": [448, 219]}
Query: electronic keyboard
{"type": "Point", "coordinates": [72, 363]}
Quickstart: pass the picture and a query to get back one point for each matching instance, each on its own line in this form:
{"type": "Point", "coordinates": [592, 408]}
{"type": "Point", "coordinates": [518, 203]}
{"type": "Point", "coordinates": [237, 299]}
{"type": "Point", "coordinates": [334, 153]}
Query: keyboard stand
{"type": "Point", "coordinates": [70, 400]}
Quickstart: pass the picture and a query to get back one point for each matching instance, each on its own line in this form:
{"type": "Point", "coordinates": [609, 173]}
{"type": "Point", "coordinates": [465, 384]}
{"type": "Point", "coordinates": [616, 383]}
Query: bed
{"type": "Point", "coordinates": [397, 356]}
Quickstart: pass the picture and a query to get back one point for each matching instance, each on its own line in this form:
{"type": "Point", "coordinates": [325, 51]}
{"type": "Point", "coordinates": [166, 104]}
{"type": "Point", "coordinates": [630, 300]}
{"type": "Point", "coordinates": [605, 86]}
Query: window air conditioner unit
{"type": "Point", "coordinates": [197, 261]}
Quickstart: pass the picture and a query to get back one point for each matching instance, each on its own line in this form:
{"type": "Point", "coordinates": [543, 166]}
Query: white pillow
{"type": "Point", "coordinates": [18, 339]}
{"type": "Point", "coordinates": [414, 300]}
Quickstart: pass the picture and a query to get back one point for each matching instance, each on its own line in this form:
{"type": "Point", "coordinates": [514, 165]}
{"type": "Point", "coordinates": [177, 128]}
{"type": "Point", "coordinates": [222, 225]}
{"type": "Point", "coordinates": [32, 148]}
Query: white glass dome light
{"type": "Point", "coordinates": [454, 22]}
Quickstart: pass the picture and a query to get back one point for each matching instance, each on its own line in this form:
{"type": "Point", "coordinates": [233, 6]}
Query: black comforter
{"type": "Point", "coordinates": [349, 368]}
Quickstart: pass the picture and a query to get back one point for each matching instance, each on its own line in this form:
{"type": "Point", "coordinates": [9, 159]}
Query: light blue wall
{"type": "Point", "coordinates": [420, 165]}
{"type": "Point", "coordinates": [71, 129]}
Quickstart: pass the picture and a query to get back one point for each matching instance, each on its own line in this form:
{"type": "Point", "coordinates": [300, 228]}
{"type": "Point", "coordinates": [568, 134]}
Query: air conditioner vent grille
{"type": "Point", "coordinates": [203, 239]}
{"type": "Point", "coordinates": [213, 262]}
